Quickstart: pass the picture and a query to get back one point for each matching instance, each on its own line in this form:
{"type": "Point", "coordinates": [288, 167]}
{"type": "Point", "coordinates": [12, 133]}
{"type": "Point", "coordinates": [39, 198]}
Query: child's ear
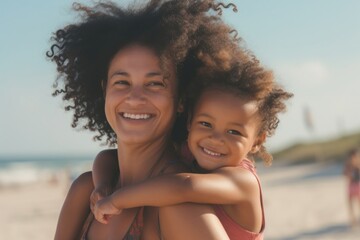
{"type": "Point", "coordinates": [258, 143]}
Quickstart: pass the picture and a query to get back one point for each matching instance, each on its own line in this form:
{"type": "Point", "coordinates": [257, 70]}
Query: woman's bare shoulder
{"type": "Point", "coordinates": [176, 166]}
{"type": "Point", "coordinates": [107, 153]}
{"type": "Point", "coordinates": [82, 180]}
{"type": "Point", "coordinates": [76, 208]}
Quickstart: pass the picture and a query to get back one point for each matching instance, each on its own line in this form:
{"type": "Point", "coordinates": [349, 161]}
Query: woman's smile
{"type": "Point", "coordinates": [136, 116]}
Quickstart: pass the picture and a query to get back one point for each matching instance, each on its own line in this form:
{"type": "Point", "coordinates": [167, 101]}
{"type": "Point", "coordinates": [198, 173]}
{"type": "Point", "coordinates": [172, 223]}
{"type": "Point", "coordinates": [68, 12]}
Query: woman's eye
{"type": "Point", "coordinates": [205, 124]}
{"type": "Point", "coordinates": [234, 132]}
{"type": "Point", "coordinates": [122, 82]}
{"type": "Point", "coordinates": [156, 84]}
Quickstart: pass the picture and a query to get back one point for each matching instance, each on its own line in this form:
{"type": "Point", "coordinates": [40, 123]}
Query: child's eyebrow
{"type": "Point", "coordinates": [239, 125]}
{"type": "Point", "coordinates": [205, 115]}
{"type": "Point", "coordinates": [230, 123]}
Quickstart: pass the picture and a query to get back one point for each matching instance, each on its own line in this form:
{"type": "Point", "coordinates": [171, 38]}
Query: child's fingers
{"type": "Point", "coordinates": [92, 205]}
{"type": "Point", "coordinates": [107, 218]}
{"type": "Point", "coordinates": [102, 218]}
{"type": "Point", "coordinates": [93, 200]}
{"type": "Point", "coordinates": [97, 195]}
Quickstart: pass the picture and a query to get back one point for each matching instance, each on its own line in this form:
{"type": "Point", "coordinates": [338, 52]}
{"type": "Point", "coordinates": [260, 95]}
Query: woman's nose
{"type": "Point", "coordinates": [136, 96]}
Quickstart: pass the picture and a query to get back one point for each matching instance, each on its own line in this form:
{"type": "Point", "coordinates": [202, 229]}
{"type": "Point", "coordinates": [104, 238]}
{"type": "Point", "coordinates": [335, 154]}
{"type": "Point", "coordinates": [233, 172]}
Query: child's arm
{"type": "Point", "coordinates": [225, 186]}
{"type": "Point", "coordinates": [105, 170]}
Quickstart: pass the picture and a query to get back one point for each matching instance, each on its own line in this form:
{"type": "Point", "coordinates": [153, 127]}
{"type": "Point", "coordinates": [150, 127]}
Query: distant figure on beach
{"type": "Point", "coordinates": [352, 173]}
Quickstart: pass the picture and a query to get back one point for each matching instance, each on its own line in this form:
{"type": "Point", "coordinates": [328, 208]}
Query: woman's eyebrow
{"type": "Point", "coordinates": [153, 74]}
{"type": "Point", "coordinates": [121, 73]}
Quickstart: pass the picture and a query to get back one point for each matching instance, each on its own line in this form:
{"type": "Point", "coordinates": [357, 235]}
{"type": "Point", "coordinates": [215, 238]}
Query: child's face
{"type": "Point", "coordinates": [223, 129]}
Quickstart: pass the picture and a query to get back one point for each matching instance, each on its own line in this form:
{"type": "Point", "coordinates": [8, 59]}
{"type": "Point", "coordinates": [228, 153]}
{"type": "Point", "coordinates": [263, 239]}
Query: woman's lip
{"type": "Point", "coordinates": [136, 116]}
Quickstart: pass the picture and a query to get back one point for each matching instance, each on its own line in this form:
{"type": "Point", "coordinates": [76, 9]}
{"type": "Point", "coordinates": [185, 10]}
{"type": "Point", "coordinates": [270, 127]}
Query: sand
{"type": "Point", "coordinates": [302, 202]}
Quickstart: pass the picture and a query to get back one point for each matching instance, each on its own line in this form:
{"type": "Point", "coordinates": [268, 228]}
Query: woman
{"type": "Point", "coordinates": [123, 73]}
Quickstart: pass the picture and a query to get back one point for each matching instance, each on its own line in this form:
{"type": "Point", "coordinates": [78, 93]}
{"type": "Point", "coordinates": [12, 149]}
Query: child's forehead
{"type": "Point", "coordinates": [224, 101]}
{"type": "Point", "coordinates": [214, 93]}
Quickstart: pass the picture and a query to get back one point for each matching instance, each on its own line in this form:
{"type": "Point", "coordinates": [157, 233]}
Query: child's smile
{"type": "Point", "coordinates": [211, 153]}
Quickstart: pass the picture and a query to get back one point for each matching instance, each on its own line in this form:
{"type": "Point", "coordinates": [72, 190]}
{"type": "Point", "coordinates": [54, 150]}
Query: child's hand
{"type": "Point", "coordinates": [98, 194]}
{"type": "Point", "coordinates": [104, 209]}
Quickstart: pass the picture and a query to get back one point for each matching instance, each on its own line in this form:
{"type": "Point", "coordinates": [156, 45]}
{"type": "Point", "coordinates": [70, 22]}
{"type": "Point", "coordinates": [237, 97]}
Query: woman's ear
{"type": "Point", "coordinates": [180, 106]}
{"type": "Point", "coordinates": [258, 143]}
{"type": "Point", "coordinates": [103, 87]}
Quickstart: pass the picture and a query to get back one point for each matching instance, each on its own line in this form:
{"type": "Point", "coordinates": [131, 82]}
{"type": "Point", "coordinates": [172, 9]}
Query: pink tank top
{"type": "Point", "coordinates": [233, 229]}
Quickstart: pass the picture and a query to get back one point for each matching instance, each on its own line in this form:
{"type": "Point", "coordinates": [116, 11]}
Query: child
{"type": "Point", "coordinates": [233, 114]}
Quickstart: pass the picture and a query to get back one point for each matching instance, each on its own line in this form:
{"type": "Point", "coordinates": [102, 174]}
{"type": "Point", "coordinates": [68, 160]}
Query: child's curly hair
{"type": "Point", "coordinates": [247, 80]}
{"type": "Point", "coordinates": [186, 33]}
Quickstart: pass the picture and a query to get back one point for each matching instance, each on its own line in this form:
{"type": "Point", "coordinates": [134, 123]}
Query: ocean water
{"type": "Point", "coordinates": [23, 170]}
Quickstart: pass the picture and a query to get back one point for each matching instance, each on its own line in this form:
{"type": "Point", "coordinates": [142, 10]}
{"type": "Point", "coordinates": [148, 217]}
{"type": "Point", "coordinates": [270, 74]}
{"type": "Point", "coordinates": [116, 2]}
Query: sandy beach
{"type": "Point", "coordinates": [301, 202]}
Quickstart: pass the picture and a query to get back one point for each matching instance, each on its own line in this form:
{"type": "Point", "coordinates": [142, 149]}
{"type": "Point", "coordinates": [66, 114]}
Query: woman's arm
{"type": "Point", "coordinates": [105, 170]}
{"type": "Point", "coordinates": [75, 208]}
{"type": "Point", "coordinates": [105, 167]}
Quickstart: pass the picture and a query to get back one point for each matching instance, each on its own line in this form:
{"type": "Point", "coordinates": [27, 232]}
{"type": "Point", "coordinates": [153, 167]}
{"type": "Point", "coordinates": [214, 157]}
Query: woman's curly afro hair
{"type": "Point", "coordinates": [186, 33]}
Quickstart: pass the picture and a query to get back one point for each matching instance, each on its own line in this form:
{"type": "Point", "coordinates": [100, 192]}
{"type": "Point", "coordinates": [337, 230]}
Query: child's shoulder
{"type": "Point", "coordinates": [243, 177]}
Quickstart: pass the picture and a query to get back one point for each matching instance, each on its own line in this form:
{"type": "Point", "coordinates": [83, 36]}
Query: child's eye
{"type": "Point", "coordinates": [234, 132]}
{"type": "Point", "coordinates": [205, 124]}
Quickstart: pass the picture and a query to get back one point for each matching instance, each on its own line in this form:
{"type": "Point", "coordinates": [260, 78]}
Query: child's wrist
{"type": "Point", "coordinates": [113, 202]}
{"type": "Point", "coordinates": [103, 188]}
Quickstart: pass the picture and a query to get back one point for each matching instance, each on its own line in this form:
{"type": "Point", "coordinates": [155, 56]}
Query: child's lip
{"type": "Point", "coordinates": [212, 152]}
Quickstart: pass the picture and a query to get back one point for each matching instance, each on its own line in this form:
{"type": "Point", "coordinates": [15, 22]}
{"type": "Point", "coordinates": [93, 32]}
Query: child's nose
{"type": "Point", "coordinates": [216, 138]}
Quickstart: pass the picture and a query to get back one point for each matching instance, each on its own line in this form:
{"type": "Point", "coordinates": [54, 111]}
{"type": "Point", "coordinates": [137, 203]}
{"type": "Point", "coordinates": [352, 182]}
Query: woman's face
{"type": "Point", "coordinates": [140, 104]}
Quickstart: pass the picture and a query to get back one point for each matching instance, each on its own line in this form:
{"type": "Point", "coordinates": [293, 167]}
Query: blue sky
{"type": "Point", "coordinates": [312, 46]}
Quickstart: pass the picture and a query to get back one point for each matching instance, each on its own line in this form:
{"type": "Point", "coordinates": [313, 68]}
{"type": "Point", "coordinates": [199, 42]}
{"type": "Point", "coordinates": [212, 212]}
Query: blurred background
{"type": "Point", "coordinates": [313, 48]}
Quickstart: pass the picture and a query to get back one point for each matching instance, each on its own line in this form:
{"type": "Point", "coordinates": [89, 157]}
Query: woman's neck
{"type": "Point", "coordinates": [139, 161]}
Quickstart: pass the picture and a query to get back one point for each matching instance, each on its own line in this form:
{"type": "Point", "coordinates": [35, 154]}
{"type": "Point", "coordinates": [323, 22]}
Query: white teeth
{"type": "Point", "coordinates": [136, 116]}
{"type": "Point", "coordinates": [211, 153]}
